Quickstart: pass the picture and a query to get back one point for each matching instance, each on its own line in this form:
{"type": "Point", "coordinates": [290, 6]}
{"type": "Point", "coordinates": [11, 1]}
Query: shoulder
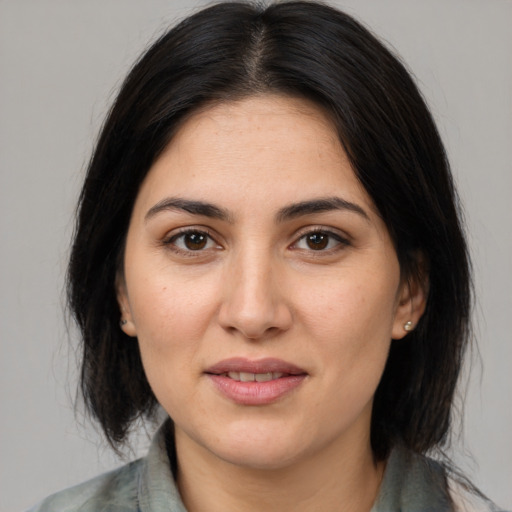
{"type": "Point", "coordinates": [416, 483]}
{"type": "Point", "coordinates": [467, 499]}
{"type": "Point", "coordinates": [146, 484]}
{"type": "Point", "coordinates": [113, 491]}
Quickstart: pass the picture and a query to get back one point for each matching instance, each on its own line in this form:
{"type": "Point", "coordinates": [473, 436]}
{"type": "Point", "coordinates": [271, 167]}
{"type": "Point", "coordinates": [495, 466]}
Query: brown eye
{"type": "Point", "coordinates": [317, 241]}
{"type": "Point", "coordinates": [192, 240]}
{"type": "Point", "coordinates": [195, 241]}
{"type": "Point", "coordinates": [320, 241]}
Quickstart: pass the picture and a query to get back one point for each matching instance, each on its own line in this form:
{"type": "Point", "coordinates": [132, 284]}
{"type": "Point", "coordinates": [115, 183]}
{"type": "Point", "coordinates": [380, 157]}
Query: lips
{"type": "Point", "coordinates": [268, 365]}
{"type": "Point", "coordinates": [259, 382]}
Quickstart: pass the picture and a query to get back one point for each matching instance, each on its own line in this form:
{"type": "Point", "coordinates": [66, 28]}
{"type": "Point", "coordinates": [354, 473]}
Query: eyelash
{"type": "Point", "coordinates": [170, 242]}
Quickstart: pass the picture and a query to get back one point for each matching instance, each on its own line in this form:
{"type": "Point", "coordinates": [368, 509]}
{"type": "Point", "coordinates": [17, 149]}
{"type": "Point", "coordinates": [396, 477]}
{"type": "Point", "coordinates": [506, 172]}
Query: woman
{"type": "Point", "coordinates": [268, 247]}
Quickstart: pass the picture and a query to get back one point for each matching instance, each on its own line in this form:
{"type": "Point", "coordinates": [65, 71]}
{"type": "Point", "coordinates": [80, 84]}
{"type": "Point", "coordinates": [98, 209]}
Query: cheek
{"type": "Point", "coordinates": [358, 306]}
{"type": "Point", "coordinates": [171, 317]}
{"type": "Point", "coordinates": [170, 311]}
{"type": "Point", "coordinates": [351, 321]}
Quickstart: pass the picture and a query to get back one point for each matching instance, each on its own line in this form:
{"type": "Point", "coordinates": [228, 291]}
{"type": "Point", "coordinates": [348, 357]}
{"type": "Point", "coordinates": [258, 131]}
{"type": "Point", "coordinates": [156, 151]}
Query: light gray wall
{"type": "Point", "coordinates": [60, 62]}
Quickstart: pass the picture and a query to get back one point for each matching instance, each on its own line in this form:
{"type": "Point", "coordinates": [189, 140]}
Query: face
{"type": "Point", "coordinates": [262, 286]}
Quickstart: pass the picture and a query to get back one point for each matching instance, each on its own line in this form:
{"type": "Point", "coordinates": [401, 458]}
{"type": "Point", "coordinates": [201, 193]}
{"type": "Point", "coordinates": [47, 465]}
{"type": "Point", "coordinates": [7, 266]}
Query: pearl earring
{"type": "Point", "coordinates": [408, 326]}
{"type": "Point", "coordinates": [123, 322]}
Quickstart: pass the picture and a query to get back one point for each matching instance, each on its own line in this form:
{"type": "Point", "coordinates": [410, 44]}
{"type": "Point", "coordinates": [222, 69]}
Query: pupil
{"type": "Point", "coordinates": [318, 241]}
{"type": "Point", "coordinates": [195, 241]}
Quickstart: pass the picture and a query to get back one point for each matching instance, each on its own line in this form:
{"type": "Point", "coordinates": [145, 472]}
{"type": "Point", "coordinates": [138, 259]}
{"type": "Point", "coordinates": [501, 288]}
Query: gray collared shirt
{"type": "Point", "coordinates": [412, 483]}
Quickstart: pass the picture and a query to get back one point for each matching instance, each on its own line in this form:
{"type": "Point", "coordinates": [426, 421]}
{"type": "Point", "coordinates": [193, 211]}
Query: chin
{"type": "Point", "coordinates": [257, 458]}
{"type": "Point", "coordinates": [259, 448]}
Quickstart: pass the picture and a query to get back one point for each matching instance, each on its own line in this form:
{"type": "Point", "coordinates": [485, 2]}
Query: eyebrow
{"type": "Point", "coordinates": [317, 206]}
{"type": "Point", "coordinates": [289, 212]}
{"type": "Point", "coordinates": [194, 207]}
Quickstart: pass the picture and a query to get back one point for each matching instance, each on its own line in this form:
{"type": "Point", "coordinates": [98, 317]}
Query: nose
{"type": "Point", "coordinates": [254, 303]}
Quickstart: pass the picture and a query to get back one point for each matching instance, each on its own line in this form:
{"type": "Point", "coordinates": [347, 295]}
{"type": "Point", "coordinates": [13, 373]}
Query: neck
{"type": "Point", "coordinates": [339, 479]}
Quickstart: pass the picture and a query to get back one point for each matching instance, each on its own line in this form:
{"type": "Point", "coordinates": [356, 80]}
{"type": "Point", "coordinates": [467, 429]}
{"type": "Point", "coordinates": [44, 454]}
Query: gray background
{"type": "Point", "coordinates": [60, 64]}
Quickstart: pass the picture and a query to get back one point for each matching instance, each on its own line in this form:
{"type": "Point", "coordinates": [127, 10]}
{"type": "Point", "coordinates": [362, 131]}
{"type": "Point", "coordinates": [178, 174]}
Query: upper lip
{"type": "Point", "coordinates": [266, 365]}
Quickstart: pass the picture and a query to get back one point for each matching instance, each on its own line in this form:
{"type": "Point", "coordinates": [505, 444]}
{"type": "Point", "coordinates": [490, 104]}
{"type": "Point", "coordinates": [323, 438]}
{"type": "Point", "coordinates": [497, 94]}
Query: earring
{"type": "Point", "coordinates": [408, 326]}
{"type": "Point", "coordinates": [122, 322]}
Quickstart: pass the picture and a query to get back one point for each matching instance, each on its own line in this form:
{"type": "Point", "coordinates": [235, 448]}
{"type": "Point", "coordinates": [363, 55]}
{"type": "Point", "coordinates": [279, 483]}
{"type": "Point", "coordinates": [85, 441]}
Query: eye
{"type": "Point", "coordinates": [192, 240]}
{"type": "Point", "coordinates": [319, 241]}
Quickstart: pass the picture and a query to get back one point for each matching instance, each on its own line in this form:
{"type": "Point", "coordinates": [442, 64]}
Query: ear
{"type": "Point", "coordinates": [126, 320]}
{"type": "Point", "coordinates": [412, 301]}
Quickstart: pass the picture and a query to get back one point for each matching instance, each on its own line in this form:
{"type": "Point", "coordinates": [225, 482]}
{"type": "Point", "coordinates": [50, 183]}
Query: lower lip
{"type": "Point", "coordinates": [256, 393]}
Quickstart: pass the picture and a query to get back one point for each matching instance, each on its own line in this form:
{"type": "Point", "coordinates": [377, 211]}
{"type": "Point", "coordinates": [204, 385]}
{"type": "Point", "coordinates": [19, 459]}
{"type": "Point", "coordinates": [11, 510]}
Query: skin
{"type": "Point", "coordinates": [254, 287]}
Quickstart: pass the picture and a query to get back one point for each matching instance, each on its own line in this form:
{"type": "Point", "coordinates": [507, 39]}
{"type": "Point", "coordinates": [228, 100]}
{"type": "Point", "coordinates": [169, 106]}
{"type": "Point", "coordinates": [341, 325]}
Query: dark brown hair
{"type": "Point", "coordinates": [306, 49]}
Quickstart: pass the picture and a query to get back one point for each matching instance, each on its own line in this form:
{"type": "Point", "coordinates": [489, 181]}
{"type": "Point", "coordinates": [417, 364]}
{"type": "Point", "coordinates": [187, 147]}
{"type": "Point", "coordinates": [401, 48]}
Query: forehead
{"type": "Point", "coordinates": [272, 110]}
{"type": "Point", "coordinates": [262, 122]}
{"type": "Point", "coordinates": [255, 146]}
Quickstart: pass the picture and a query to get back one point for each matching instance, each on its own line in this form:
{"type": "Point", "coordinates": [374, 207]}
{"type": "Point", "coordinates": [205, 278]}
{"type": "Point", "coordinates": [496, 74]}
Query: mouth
{"type": "Point", "coordinates": [259, 382]}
